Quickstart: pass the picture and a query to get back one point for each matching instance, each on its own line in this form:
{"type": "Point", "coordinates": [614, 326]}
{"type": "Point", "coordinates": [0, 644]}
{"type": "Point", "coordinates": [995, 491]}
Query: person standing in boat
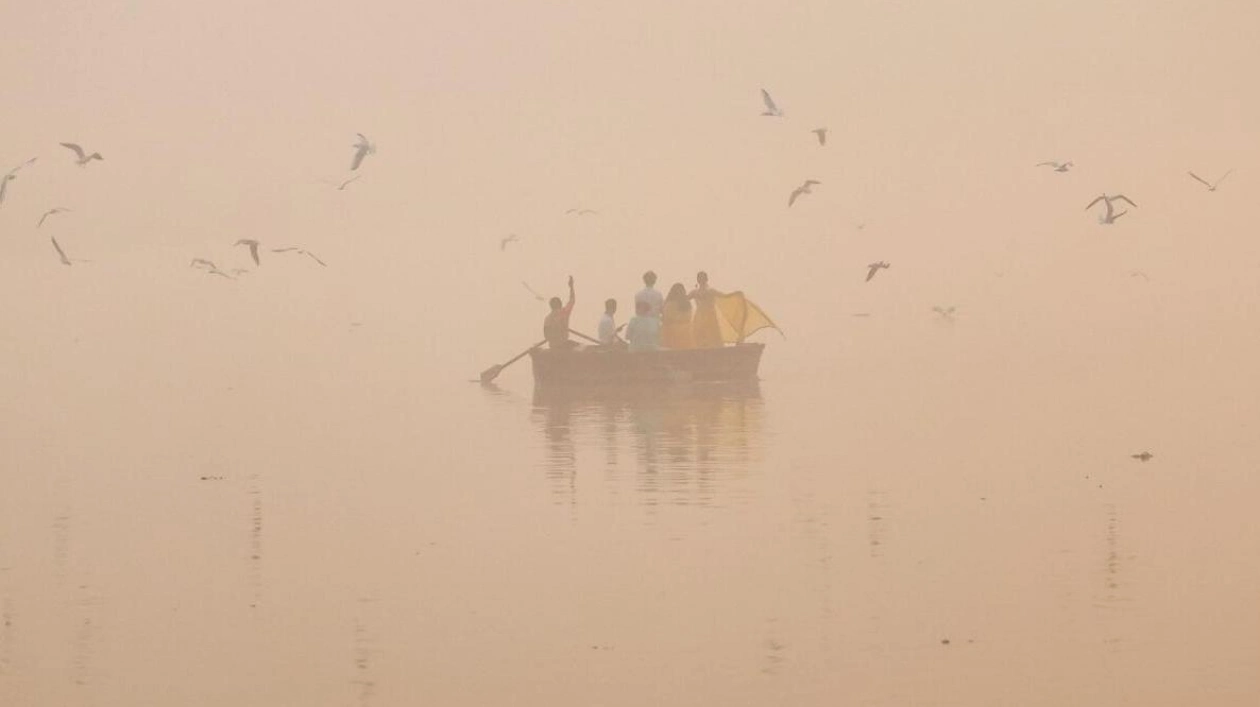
{"type": "Point", "coordinates": [644, 330]}
{"type": "Point", "coordinates": [608, 324]}
{"type": "Point", "coordinates": [705, 331]}
{"type": "Point", "coordinates": [676, 319]}
{"type": "Point", "coordinates": [650, 295]}
{"type": "Point", "coordinates": [556, 325]}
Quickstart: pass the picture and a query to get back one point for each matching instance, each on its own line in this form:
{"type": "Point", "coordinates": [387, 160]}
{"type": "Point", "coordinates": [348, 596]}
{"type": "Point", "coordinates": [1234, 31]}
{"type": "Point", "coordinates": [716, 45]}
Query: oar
{"type": "Point", "coordinates": [493, 372]}
{"type": "Point", "coordinates": [592, 339]}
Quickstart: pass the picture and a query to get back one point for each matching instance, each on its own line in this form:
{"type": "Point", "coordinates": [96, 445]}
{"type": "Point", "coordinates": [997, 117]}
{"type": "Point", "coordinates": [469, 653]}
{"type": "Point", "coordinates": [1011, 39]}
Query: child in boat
{"type": "Point", "coordinates": [644, 330]}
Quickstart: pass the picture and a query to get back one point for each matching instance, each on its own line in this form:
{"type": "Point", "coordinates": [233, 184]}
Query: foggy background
{"type": "Point", "coordinates": [129, 377]}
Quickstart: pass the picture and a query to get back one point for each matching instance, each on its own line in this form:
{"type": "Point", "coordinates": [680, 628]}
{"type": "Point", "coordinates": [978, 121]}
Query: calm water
{"type": "Point", "coordinates": [329, 514]}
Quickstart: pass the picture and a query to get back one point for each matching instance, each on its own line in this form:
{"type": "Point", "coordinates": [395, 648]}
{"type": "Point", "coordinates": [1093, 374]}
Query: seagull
{"type": "Point", "coordinates": [1210, 186]}
{"type": "Point", "coordinates": [503, 242]}
{"type": "Point", "coordinates": [362, 149]}
{"type": "Point", "coordinates": [806, 188]}
{"type": "Point", "coordinates": [1139, 273]}
{"type": "Point", "coordinates": [537, 296]}
{"type": "Point", "coordinates": [1110, 217]}
{"type": "Point", "coordinates": [60, 253]}
{"type": "Point", "coordinates": [582, 212]}
{"type": "Point", "coordinates": [299, 251]}
{"type": "Point", "coordinates": [50, 212]}
{"type": "Point", "coordinates": [209, 267]}
{"type": "Point", "coordinates": [83, 157]}
{"type": "Point", "coordinates": [253, 248]}
{"type": "Point", "coordinates": [946, 312]}
{"type": "Point", "coordinates": [12, 174]}
{"type": "Point", "coordinates": [874, 268]}
{"type": "Point", "coordinates": [1143, 457]}
{"type": "Point", "coordinates": [1058, 166]}
{"type": "Point", "coordinates": [342, 185]}
{"type": "Point", "coordinates": [771, 108]}
{"type": "Point", "coordinates": [822, 136]}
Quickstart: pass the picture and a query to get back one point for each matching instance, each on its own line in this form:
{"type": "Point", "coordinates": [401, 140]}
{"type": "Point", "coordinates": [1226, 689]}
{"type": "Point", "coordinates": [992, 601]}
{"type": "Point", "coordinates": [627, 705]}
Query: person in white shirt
{"type": "Point", "coordinates": [650, 295]}
{"type": "Point", "coordinates": [644, 330]}
{"type": "Point", "coordinates": [608, 324]}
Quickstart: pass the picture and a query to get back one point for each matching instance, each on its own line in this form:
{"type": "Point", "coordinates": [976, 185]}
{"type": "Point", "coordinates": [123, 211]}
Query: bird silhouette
{"type": "Point", "coordinates": [10, 175]}
{"type": "Point", "coordinates": [503, 242]}
{"type": "Point", "coordinates": [341, 186]}
{"type": "Point", "coordinates": [299, 251]}
{"type": "Point", "coordinates": [533, 292]}
{"type": "Point", "coordinates": [581, 212]}
{"type": "Point", "coordinates": [806, 188]}
{"type": "Point", "coordinates": [946, 312]}
{"type": "Point", "coordinates": [874, 268]}
{"type": "Point", "coordinates": [822, 136]}
{"type": "Point", "coordinates": [1211, 186]}
{"type": "Point", "coordinates": [1143, 457]}
{"type": "Point", "coordinates": [771, 108]}
{"type": "Point", "coordinates": [1058, 166]}
{"type": "Point", "coordinates": [362, 149]}
{"type": "Point", "coordinates": [253, 248]}
{"type": "Point", "coordinates": [1111, 216]}
{"type": "Point", "coordinates": [50, 212]}
{"type": "Point", "coordinates": [60, 253]}
{"type": "Point", "coordinates": [82, 157]}
{"type": "Point", "coordinates": [209, 267]}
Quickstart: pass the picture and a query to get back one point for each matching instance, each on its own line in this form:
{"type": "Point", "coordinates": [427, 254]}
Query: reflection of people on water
{"type": "Point", "coordinates": [705, 331]}
{"type": "Point", "coordinates": [644, 330]}
{"type": "Point", "coordinates": [556, 325]}
{"type": "Point", "coordinates": [676, 319]}
{"type": "Point", "coordinates": [676, 444]}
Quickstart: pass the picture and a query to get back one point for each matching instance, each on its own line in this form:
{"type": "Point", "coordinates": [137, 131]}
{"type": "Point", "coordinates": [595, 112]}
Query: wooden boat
{"type": "Point", "coordinates": [598, 365]}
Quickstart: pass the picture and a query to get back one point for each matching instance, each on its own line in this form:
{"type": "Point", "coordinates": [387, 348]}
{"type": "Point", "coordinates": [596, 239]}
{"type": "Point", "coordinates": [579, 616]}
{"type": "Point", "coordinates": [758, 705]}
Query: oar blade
{"type": "Point", "coordinates": [491, 373]}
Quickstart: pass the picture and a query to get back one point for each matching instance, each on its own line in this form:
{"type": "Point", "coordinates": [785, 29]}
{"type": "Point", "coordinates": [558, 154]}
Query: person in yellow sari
{"type": "Point", "coordinates": [676, 319]}
{"type": "Point", "coordinates": [705, 330]}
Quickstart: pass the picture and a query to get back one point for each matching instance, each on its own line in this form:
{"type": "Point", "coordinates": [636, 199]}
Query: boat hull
{"type": "Point", "coordinates": [606, 366]}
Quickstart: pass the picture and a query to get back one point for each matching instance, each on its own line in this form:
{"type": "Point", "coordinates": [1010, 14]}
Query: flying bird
{"type": "Point", "coordinates": [12, 174]}
{"type": "Point", "coordinates": [60, 253]}
{"type": "Point", "coordinates": [1139, 273]}
{"type": "Point", "coordinates": [342, 185]}
{"type": "Point", "coordinates": [822, 136]}
{"type": "Point", "coordinates": [253, 248]}
{"type": "Point", "coordinates": [874, 268]}
{"type": "Point", "coordinates": [946, 312]}
{"type": "Point", "coordinates": [537, 296]}
{"type": "Point", "coordinates": [1058, 166]}
{"type": "Point", "coordinates": [582, 212]}
{"type": "Point", "coordinates": [50, 212]}
{"type": "Point", "coordinates": [83, 157]}
{"type": "Point", "coordinates": [1210, 186]}
{"type": "Point", "coordinates": [1143, 457]}
{"type": "Point", "coordinates": [1111, 216]}
{"type": "Point", "coordinates": [503, 242]}
{"type": "Point", "coordinates": [771, 108]}
{"type": "Point", "coordinates": [209, 267]}
{"type": "Point", "coordinates": [299, 251]}
{"type": "Point", "coordinates": [362, 149]}
{"type": "Point", "coordinates": [806, 188]}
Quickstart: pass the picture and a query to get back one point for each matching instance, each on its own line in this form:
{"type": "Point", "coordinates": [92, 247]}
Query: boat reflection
{"type": "Point", "coordinates": [666, 444]}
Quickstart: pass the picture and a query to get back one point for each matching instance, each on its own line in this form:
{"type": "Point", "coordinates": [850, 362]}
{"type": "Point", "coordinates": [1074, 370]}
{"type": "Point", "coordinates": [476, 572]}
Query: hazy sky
{"type": "Point", "coordinates": [218, 122]}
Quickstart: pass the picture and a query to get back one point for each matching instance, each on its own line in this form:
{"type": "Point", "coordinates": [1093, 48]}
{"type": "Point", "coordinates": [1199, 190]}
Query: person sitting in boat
{"type": "Point", "coordinates": [608, 324]}
{"type": "Point", "coordinates": [649, 294]}
{"type": "Point", "coordinates": [705, 331]}
{"type": "Point", "coordinates": [556, 325]}
{"type": "Point", "coordinates": [644, 330]}
{"type": "Point", "coordinates": [676, 319]}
